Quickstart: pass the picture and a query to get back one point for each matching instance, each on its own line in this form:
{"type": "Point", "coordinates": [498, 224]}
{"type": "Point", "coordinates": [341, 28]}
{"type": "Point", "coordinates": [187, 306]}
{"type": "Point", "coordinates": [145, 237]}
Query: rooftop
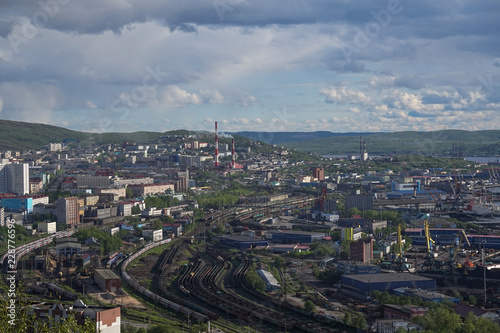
{"type": "Point", "coordinates": [106, 274]}
{"type": "Point", "coordinates": [387, 277]}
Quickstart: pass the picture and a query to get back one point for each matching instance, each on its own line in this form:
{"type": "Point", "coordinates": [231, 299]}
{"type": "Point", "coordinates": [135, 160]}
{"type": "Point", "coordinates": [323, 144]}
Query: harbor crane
{"type": "Point", "coordinates": [454, 249]}
{"type": "Point", "coordinates": [429, 259]}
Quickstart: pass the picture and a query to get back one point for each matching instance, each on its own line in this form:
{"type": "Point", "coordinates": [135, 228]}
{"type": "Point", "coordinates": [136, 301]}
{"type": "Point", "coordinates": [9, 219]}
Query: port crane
{"type": "Point", "coordinates": [454, 249]}
{"type": "Point", "coordinates": [429, 259]}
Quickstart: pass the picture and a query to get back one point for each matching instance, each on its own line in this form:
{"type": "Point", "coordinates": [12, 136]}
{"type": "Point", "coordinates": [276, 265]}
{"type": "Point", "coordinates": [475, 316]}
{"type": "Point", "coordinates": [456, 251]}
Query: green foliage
{"type": "Point", "coordinates": [226, 197]}
{"type": "Point", "coordinates": [160, 201]}
{"type": "Point", "coordinates": [254, 281]}
{"type": "Point", "coordinates": [26, 321]}
{"type": "Point", "coordinates": [129, 193]}
{"type": "Point", "coordinates": [108, 243]}
{"type": "Point", "coordinates": [359, 322]}
{"type": "Point", "coordinates": [45, 216]}
{"type": "Point", "coordinates": [309, 306]}
{"type": "Point", "coordinates": [219, 229]}
{"type": "Point", "coordinates": [279, 262]}
{"type": "Point", "coordinates": [136, 210]}
{"type": "Point", "coordinates": [157, 224]}
{"type": "Point", "coordinates": [441, 319]}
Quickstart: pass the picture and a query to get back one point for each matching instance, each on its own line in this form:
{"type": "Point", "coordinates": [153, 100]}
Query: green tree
{"type": "Point", "coordinates": [129, 193]}
{"type": "Point", "coordinates": [442, 319]}
{"type": "Point", "coordinates": [309, 306]}
{"type": "Point", "coordinates": [279, 262]}
{"type": "Point", "coordinates": [157, 224]}
{"type": "Point", "coordinates": [26, 321]}
{"type": "Point", "coordinates": [359, 322]}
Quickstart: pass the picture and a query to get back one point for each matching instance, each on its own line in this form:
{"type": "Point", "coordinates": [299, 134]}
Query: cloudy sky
{"type": "Point", "coordinates": [266, 65]}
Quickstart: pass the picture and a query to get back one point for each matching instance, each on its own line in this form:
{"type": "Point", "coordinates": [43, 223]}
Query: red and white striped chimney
{"type": "Point", "coordinates": [233, 162]}
{"type": "Point", "coordinates": [216, 147]}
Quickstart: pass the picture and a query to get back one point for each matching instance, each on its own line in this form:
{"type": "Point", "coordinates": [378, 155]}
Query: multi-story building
{"type": "Point", "coordinates": [361, 250]}
{"type": "Point", "coordinates": [132, 181]}
{"type": "Point", "coordinates": [48, 227]}
{"type": "Point", "coordinates": [68, 211]}
{"type": "Point", "coordinates": [18, 204]}
{"type": "Point", "coordinates": [93, 181]}
{"type": "Point", "coordinates": [36, 185]}
{"type": "Point", "coordinates": [125, 208]}
{"type": "Point", "coordinates": [360, 201]}
{"type": "Point", "coordinates": [14, 178]}
{"type": "Point", "coordinates": [149, 189]}
{"type": "Point", "coordinates": [155, 235]}
{"type": "Point", "coordinates": [55, 147]}
{"type": "Point", "coordinates": [319, 173]}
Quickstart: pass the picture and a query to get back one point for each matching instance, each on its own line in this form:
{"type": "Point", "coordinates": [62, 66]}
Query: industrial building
{"type": "Point", "coordinates": [107, 280]}
{"type": "Point", "coordinates": [69, 246]}
{"type": "Point", "coordinates": [350, 268]}
{"type": "Point", "coordinates": [241, 242]}
{"type": "Point", "coordinates": [424, 294]}
{"type": "Point", "coordinates": [407, 312]}
{"type": "Point", "coordinates": [270, 281]}
{"type": "Point", "coordinates": [360, 286]}
{"type": "Point", "coordinates": [297, 236]}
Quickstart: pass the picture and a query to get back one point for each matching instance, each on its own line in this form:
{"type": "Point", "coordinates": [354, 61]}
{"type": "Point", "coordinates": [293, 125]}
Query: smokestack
{"type": "Point", "coordinates": [216, 147]}
{"type": "Point", "coordinates": [233, 163]}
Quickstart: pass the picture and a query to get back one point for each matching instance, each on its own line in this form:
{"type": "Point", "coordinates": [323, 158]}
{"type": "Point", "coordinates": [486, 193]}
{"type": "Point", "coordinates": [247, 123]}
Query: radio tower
{"type": "Point", "coordinates": [233, 163]}
{"type": "Point", "coordinates": [216, 147]}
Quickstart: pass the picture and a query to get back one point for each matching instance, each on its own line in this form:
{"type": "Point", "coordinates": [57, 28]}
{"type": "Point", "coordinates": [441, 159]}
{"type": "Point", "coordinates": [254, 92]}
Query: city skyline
{"type": "Point", "coordinates": [251, 65]}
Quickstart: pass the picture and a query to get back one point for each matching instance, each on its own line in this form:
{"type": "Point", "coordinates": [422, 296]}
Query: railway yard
{"type": "Point", "coordinates": [195, 282]}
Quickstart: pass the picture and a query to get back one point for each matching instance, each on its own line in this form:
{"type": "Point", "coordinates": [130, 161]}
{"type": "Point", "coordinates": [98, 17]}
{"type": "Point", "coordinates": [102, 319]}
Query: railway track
{"type": "Point", "coordinates": [199, 279]}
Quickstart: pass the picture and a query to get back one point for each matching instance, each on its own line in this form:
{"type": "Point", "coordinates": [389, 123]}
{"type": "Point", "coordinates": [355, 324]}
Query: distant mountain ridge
{"type": "Point", "coordinates": [279, 138]}
{"type": "Point", "coordinates": [16, 135]}
{"type": "Point", "coordinates": [443, 142]}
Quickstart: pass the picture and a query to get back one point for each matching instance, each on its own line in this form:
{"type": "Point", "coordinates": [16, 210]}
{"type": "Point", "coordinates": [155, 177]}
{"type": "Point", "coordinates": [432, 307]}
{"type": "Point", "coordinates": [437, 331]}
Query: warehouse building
{"type": "Point", "coordinates": [241, 242]}
{"type": "Point", "coordinates": [291, 237]}
{"type": "Point", "coordinates": [360, 286]}
{"type": "Point", "coordinates": [270, 281]}
{"type": "Point", "coordinates": [107, 280]}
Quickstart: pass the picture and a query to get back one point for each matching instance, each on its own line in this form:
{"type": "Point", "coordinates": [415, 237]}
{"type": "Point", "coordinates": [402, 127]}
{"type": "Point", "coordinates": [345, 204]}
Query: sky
{"type": "Point", "coordinates": [251, 65]}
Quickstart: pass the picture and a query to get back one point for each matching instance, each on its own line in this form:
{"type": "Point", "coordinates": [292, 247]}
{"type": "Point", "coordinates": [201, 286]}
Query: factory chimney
{"type": "Point", "coordinates": [216, 147]}
{"type": "Point", "coordinates": [233, 162]}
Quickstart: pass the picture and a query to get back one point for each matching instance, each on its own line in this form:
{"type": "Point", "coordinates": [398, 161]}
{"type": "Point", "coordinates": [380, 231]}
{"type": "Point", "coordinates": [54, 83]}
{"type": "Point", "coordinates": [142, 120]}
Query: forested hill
{"type": "Point", "coordinates": [481, 143]}
{"type": "Point", "coordinates": [16, 135]}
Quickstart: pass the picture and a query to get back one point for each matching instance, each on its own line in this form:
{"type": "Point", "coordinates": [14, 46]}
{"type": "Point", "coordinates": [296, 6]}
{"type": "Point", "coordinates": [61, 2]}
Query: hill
{"type": "Point", "coordinates": [16, 135]}
{"type": "Point", "coordinates": [485, 143]}
{"type": "Point", "coordinates": [279, 138]}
